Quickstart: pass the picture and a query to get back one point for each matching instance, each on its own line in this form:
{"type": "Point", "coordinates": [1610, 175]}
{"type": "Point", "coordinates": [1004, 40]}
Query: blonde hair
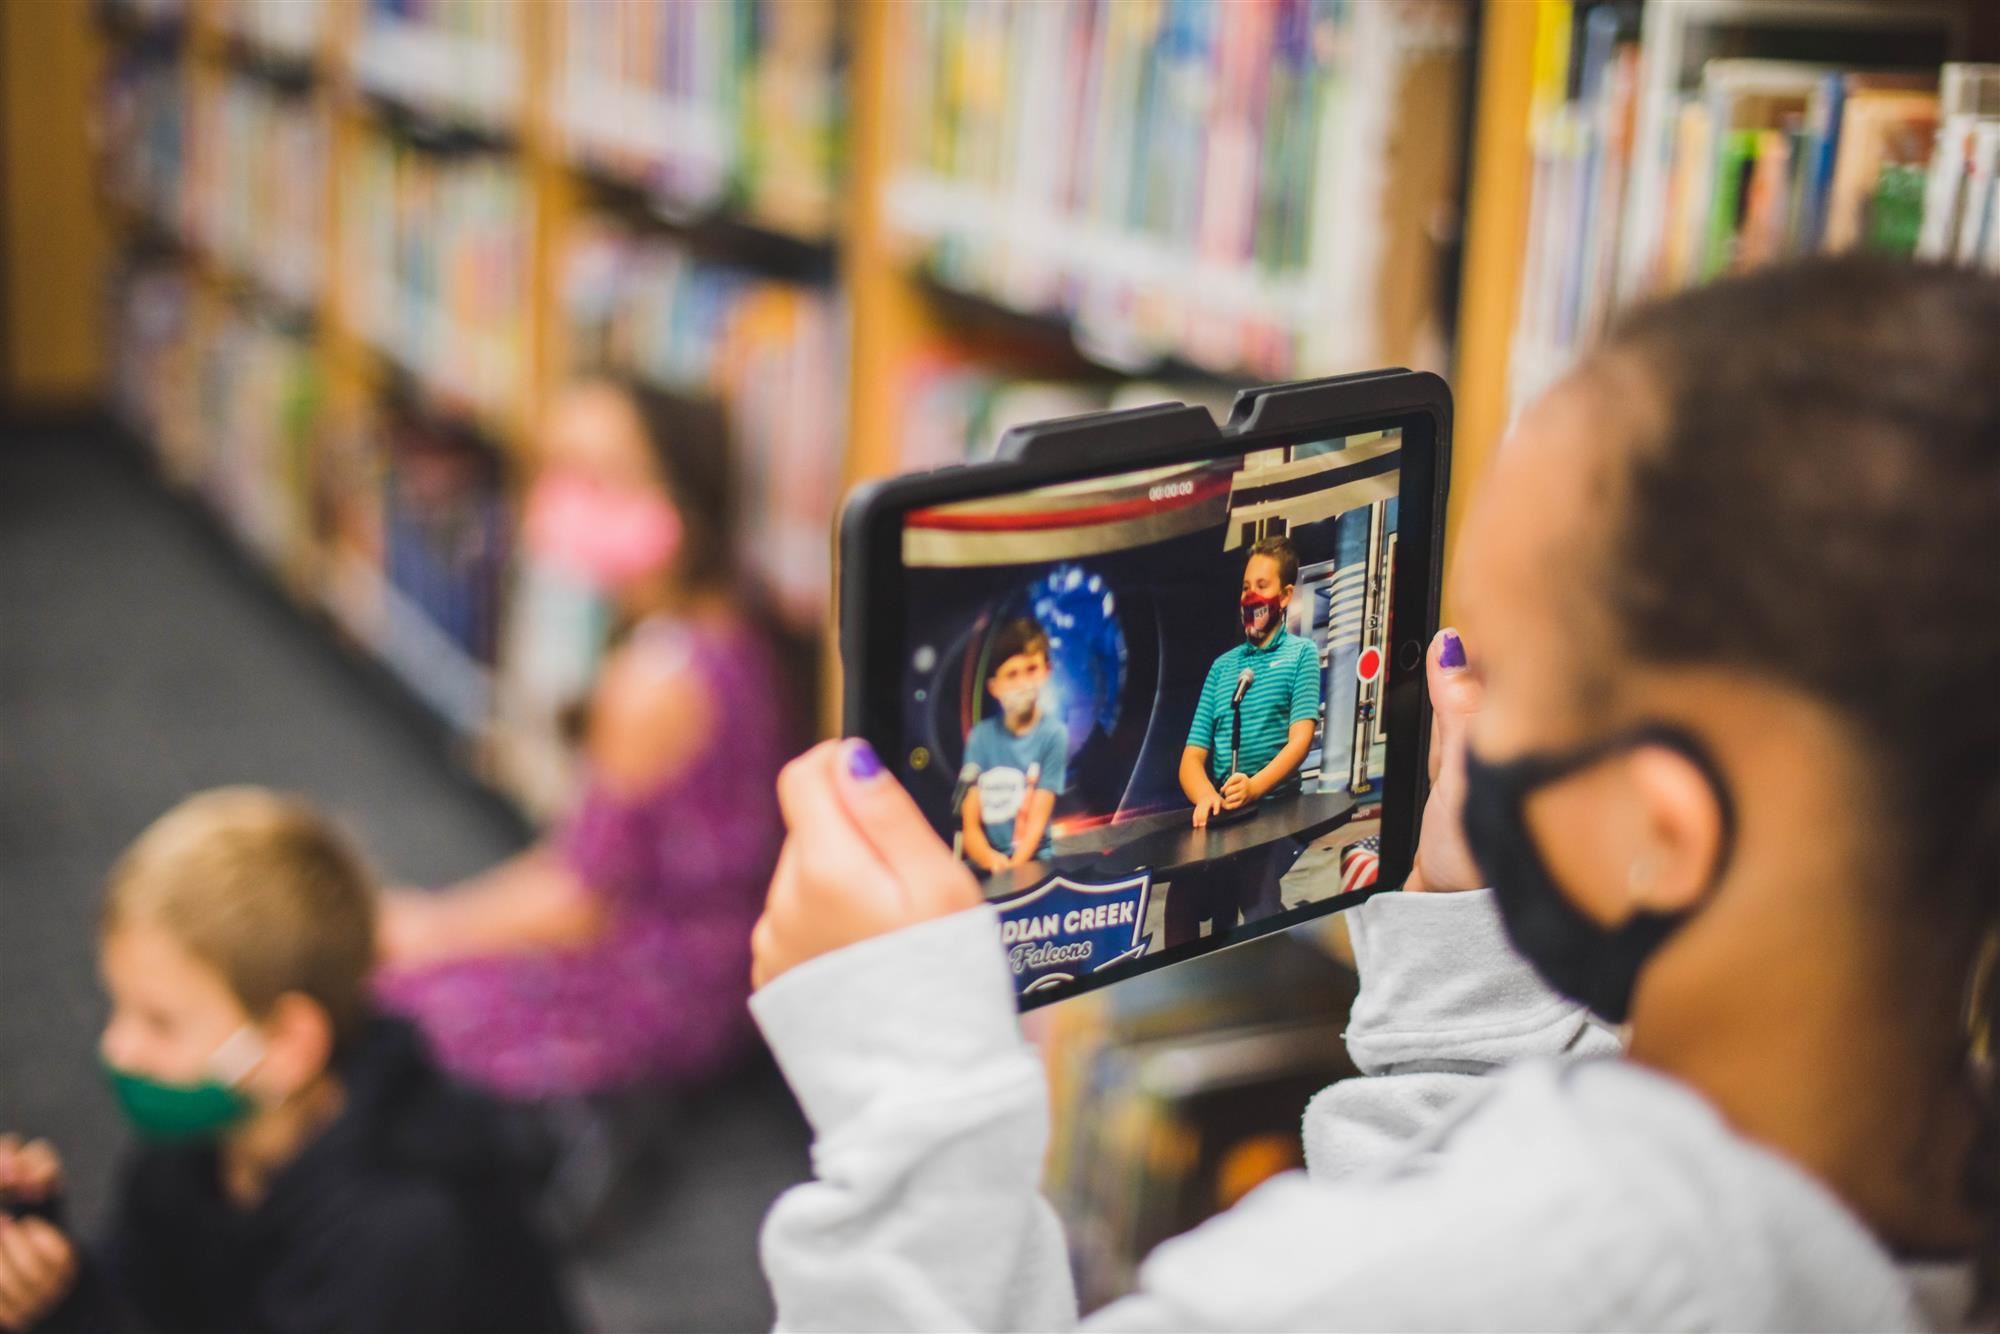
{"type": "Point", "coordinates": [261, 888]}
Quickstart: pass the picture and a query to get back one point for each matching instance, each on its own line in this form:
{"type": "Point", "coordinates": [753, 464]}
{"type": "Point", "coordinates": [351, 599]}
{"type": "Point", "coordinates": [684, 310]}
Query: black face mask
{"type": "Point", "coordinates": [1577, 957]}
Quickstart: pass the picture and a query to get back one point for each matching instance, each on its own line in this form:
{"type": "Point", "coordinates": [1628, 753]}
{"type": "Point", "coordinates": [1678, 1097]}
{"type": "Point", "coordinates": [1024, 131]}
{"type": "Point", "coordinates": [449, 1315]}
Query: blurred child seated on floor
{"type": "Point", "coordinates": [610, 964]}
{"type": "Point", "coordinates": [302, 1162]}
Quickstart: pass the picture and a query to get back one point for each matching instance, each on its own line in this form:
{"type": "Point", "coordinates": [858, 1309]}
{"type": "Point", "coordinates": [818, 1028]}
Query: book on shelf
{"type": "Point", "coordinates": [144, 13]}
{"type": "Point", "coordinates": [1254, 190]}
{"type": "Point", "coordinates": [1881, 127]}
{"type": "Point", "coordinates": [709, 107]}
{"type": "Point", "coordinates": [149, 311]}
{"type": "Point", "coordinates": [446, 536]}
{"type": "Point", "coordinates": [141, 137]}
{"type": "Point", "coordinates": [258, 388]}
{"type": "Point", "coordinates": [461, 61]}
{"type": "Point", "coordinates": [1959, 183]}
{"type": "Point", "coordinates": [348, 489]}
{"type": "Point", "coordinates": [292, 30]}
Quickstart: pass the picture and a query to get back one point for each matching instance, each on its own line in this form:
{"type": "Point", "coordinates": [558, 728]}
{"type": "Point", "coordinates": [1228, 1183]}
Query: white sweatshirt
{"type": "Point", "coordinates": [1482, 1177]}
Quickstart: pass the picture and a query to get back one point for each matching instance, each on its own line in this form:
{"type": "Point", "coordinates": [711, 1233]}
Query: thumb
{"type": "Point", "coordinates": [899, 834]}
{"type": "Point", "coordinates": [1455, 694]}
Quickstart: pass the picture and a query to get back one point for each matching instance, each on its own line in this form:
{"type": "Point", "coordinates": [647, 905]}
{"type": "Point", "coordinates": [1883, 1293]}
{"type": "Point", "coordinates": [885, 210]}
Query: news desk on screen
{"type": "Point", "coordinates": [1167, 842]}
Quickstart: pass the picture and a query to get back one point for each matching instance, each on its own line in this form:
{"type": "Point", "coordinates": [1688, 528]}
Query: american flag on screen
{"type": "Point", "coordinates": [1360, 863]}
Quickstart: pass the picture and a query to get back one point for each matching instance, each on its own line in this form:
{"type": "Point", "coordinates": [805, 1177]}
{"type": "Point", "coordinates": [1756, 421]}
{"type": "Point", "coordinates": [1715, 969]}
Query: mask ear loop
{"type": "Point", "coordinates": [1675, 738]}
{"type": "Point", "coordinates": [239, 1054]}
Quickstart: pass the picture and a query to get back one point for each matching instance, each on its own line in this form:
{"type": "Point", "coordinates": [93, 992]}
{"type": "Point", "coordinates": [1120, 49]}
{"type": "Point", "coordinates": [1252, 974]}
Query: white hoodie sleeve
{"type": "Point", "coordinates": [930, 1121]}
{"type": "Point", "coordinates": [1444, 1000]}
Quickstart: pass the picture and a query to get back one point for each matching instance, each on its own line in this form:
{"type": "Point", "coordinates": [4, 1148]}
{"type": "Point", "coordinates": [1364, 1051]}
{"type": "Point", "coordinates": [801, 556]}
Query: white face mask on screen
{"type": "Point", "coordinates": [1019, 703]}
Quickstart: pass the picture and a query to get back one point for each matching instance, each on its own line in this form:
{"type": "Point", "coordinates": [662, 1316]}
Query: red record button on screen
{"type": "Point", "coordinates": [1370, 665]}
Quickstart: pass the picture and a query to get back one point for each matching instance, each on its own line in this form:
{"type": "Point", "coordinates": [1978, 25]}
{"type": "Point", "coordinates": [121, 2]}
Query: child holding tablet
{"type": "Point", "coordinates": [1673, 801]}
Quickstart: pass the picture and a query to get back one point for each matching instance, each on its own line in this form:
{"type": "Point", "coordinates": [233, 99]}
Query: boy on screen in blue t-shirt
{"type": "Point", "coordinates": [1021, 753]}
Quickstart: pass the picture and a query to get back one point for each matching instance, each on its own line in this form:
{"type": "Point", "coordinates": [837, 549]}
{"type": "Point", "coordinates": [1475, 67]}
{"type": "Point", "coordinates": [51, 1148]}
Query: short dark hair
{"type": "Point", "coordinates": [1810, 505]}
{"type": "Point", "coordinates": [1015, 638]}
{"type": "Point", "coordinates": [1281, 550]}
{"type": "Point", "coordinates": [695, 452]}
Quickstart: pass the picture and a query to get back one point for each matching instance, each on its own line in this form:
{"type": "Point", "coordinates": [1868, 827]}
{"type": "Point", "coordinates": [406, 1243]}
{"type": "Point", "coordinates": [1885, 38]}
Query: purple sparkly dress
{"type": "Point", "coordinates": [660, 996]}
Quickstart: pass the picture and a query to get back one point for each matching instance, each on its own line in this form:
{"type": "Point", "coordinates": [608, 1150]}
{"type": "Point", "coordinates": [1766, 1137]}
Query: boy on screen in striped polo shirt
{"type": "Point", "coordinates": [1279, 675]}
{"type": "Point", "coordinates": [1280, 703]}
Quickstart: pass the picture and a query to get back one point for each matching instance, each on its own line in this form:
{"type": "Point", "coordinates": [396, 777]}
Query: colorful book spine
{"type": "Point", "coordinates": [1736, 160]}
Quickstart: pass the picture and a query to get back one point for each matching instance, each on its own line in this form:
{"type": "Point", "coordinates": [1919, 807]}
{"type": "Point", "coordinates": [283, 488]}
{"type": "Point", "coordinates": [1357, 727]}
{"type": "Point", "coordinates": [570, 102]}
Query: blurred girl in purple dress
{"type": "Point", "coordinates": [615, 955]}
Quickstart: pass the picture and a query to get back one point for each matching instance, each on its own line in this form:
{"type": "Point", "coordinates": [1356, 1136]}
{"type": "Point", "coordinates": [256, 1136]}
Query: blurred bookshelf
{"type": "Point", "coordinates": [437, 209]}
{"type": "Point", "coordinates": [1188, 183]}
{"type": "Point", "coordinates": [363, 240]}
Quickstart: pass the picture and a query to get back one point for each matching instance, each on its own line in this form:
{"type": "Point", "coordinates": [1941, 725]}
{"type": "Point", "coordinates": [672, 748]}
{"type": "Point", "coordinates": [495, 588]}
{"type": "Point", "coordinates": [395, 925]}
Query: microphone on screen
{"type": "Point", "coordinates": [967, 776]}
{"type": "Point", "coordinates": [1243, 680]}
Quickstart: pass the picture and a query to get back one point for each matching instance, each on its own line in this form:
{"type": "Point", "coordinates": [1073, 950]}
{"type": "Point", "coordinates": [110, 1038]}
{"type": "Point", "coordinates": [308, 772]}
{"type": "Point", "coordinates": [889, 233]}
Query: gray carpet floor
{"type": "Point", "coordinates": [140, 661]}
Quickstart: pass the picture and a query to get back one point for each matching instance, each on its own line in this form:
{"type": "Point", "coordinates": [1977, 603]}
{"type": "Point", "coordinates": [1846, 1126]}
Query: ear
{"type": "Point", "coordinates": [298, 1045]}
{"type": "Point", "coordinates": [1681, 823]}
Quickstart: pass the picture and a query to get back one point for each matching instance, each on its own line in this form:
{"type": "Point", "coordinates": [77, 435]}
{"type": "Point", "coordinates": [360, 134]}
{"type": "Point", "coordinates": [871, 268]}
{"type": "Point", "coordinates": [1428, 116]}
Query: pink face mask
{"type": "Point", "coordinates": [612, 539]}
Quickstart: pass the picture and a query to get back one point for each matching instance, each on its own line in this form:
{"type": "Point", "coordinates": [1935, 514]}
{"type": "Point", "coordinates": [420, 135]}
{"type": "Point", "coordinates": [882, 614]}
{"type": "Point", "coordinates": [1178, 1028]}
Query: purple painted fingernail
{"type": "Point", "coordinates": [862, 761]}
{"type": "Point", "coordinates": [1452, 656]}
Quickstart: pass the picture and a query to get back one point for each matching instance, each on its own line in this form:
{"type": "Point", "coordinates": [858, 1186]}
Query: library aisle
{"type": "Point", "coordinates": [140, 661]}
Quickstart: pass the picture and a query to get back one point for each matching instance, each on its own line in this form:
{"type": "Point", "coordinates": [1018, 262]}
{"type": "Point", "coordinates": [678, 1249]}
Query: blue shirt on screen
{"type": "Point", "coordinates": [1004, 758]}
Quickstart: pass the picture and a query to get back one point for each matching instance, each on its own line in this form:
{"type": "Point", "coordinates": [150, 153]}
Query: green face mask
{"type": "Point", "coordinates": [190, 1113]}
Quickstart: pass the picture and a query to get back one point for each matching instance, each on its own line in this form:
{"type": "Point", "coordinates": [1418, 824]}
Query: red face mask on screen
{"type": "Point", "coordinates": [1260, 614]}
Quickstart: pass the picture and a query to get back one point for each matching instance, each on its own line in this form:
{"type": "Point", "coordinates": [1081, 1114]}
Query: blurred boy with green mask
{"type": "Point", "coordinates": [297, 1152]}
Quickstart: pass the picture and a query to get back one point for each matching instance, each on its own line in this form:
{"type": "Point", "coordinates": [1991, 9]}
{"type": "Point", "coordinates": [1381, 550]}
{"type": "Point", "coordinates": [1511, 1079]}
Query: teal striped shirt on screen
{"type": "Point", "coordinates": [1285, 690]}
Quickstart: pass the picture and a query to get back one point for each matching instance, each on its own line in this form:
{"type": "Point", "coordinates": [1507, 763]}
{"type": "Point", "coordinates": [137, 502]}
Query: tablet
{"type": "Point", "coordinates": [1160, 681]}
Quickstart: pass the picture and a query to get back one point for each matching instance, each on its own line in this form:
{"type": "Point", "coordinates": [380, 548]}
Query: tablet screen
{"type": "Point", "coordinates": [1087, 663]}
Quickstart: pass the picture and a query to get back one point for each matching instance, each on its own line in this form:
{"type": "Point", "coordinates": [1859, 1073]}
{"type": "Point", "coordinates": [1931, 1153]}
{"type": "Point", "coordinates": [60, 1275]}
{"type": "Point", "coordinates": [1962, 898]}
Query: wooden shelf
{"type": "Point", "coordinates": [1496, 241]}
